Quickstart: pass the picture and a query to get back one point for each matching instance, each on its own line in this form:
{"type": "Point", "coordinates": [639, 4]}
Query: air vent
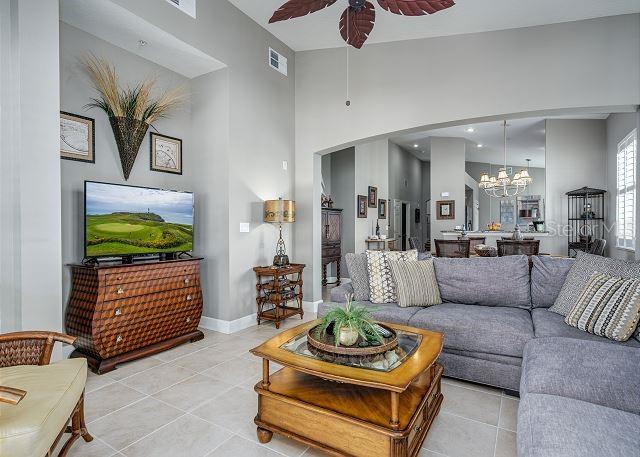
{"type": "Point", "coordinates": [186, 6]}
{"type": "Point", "coordinates": [277, 61]}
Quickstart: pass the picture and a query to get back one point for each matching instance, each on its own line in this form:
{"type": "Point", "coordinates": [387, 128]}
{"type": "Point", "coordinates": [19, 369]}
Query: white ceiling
{"type": "Point", "coordinates": [122, 28]}
{"type": "Point", "coordinates": [525, 140]}
{"type": "Point", "coordinates": [320, 29]}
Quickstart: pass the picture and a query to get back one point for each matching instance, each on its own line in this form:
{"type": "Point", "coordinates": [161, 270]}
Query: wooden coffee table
{"type": "Point", "coordinates": [350, 406]}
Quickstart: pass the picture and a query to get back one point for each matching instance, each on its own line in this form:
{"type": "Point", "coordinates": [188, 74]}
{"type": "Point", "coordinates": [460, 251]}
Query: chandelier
{"type": "Point", "coordinates": [504, 186]}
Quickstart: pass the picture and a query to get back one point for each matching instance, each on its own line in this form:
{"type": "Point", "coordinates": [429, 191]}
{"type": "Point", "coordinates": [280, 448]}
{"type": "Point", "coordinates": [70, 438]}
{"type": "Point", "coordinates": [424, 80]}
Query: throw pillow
{"type": "Point", "coordinates": [357, 267]}
{"type": "Point", "coordinates": [381, 285]}
{"type": "Point", "coordinates": [608, 306]}
{"type": "Point", "coordinates": [416, 283]}
{"type": "Point", "coordinates": [580, 273]}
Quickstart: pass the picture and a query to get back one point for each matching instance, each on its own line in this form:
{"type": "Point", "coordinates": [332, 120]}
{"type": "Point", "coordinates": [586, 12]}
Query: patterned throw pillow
{"type": "Point", "coordinates": [416, 283]}
{"type": "Point", "coordinates": [381, 285]}
{"type": "Point", "coordinates": [608, 306]}
{"type": "Point", "coordinates": [357, 266]}
{"type": "Point", "coordinates": [580, 273]}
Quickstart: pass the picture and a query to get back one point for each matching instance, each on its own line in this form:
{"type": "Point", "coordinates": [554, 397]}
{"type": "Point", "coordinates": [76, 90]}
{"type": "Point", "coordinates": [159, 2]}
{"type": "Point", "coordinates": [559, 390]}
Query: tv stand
{"type": "Point", "coordinates": [122, 312]}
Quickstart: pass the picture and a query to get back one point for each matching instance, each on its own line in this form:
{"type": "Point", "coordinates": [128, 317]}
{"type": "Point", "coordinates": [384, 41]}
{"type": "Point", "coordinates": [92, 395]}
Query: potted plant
{"type": "Point", "coordinates": [350, 322]}
{"type": "Point", "coordinates": [130, 110]}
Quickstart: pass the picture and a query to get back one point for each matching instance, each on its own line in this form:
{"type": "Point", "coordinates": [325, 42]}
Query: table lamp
{"type": "Point", "coordinates": [278, 212]}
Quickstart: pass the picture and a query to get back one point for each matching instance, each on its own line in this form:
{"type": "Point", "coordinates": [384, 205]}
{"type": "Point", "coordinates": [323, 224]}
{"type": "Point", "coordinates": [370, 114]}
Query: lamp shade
{"type": "Point", "coordinates": [279, 211]}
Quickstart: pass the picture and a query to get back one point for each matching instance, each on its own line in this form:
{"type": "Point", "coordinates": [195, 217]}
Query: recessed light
{"type": "Point", "coordinates": [480, 145]}
{"type": "Point", "coordinates": [471, 130]}
{"type": "Point", "coordinates": [142, 43]}
{"type": "Point", "coordinates": [415, 145]}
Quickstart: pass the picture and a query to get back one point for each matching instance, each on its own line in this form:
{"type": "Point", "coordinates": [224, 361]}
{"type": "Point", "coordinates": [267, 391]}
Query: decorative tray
{"type": "Point", "coordinates": [326, 343]}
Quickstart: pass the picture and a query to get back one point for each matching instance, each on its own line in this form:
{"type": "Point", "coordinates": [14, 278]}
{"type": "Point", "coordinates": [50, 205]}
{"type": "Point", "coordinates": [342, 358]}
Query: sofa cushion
{"type": "Point", "coordinates": [551, 426]}
{"type": "Point", "coordinates": [339, 294]}
{"type": "Point", "coordinates": [30, 427]}
{"type": "Point", "coordinates": [489, 281]}
{"type": "Point", "coordinates": [580, 273]}
{"type": "Point", "coordinates": [592, 371]}
{"type": "Point", "coordinates": [493, 330]}
{"type": "Point", "coordinates": [547, 277]}
{"type": "Point", "coordinates": [416, 283]}
{"type": "Point", "coordinates": [382, 287]}
{"type": "Point", "coordinates": [608, 306]}
{"type": "Point", "coordinates": [388, 312]}
{"type": "Point", "coordinates": [546, 323]}
{"type": "Point", "coordinates": [357, 268]}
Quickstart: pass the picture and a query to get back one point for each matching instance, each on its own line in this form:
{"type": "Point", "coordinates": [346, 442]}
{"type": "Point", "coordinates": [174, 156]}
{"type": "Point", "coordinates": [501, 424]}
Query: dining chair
{"type": "Point", "coordinates": [474, 241]}
{"type": "Point", "coordinates": [453, 248]}
{"type": "Point", "coordinates": [597, 247]}
{"type": "Point", "coordinates": [518, 247]}
{"type": "Point", "coordinates": [414, 243]}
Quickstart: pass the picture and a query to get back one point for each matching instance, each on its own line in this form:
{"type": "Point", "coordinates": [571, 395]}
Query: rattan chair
{"type": "Point", "coordinates": [597, 247]}
{"type": "Point", "coordinates": [17, 352]}
{"type": "Point", "coordinates": [518, 247]}
{"type": "Point", "coordinates": [453, 248]}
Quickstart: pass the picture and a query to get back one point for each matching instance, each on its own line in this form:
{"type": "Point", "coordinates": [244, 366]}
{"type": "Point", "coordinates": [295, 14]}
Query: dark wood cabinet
{"type": "Point", "coordinates": [331, 241]}
{"type": "Point", "coordinates": [124, 312]}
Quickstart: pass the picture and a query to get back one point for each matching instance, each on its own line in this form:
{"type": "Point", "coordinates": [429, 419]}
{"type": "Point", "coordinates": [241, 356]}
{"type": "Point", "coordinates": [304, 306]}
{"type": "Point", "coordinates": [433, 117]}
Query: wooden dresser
{"type": "Point", "coordinates": [124, 312]}
{"type": "Point", "coordinates": [331, 241]}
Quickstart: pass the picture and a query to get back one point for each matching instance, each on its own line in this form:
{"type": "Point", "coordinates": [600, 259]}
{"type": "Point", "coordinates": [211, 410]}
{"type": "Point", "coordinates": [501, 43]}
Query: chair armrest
{"type": "Point", "coordinates": [29, 348]}
{"type": "Point", "coordinates": [338, 294]}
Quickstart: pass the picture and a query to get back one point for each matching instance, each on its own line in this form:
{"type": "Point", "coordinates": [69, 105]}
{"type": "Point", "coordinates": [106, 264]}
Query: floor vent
{"type": "Point", "coordinates": [277, 61]}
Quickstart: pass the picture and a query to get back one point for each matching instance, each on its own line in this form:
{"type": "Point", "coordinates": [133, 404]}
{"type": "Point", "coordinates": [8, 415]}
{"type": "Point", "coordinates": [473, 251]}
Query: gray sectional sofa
{"type": "Point", "coordinates": [580, 393]}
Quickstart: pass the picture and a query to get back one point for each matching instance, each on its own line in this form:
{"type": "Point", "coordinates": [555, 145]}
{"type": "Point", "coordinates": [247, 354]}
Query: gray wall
{"type": "Point", "coordinates": [559, 66]}
{"type": "Point", "coordinates": [30, 231]}
{"type": "Point", "coordinates": [405, 182]}
{"type": "Point", "coordinates": [447, 175]}
{"type": "Point", "coordinates": [618, 126]}
{"type": "Point", "coordinates": [576, 151]}
{"type": "Point", "coordinates": [343, 191]}
{"type": "Point", "coordinates": [259, 104]}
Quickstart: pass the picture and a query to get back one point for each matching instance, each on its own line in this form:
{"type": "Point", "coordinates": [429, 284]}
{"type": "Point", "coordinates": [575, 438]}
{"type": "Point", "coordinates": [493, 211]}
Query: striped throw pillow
{"type": "Point", "coordinates": [416, 283]}
{"type": "Point", "coordinates": [608, 306]}
{"type": "Point", "coordinates": [381, 285]}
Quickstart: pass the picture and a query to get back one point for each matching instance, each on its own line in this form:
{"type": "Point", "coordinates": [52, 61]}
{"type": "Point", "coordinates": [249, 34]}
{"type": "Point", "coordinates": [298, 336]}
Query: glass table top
{"type": "Point", "coordinates": [407, 344]}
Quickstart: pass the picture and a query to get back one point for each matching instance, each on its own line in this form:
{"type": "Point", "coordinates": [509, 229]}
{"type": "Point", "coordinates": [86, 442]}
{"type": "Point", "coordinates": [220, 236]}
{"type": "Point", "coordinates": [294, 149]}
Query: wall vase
{"type": "Point", "coordinates": [129, 134]}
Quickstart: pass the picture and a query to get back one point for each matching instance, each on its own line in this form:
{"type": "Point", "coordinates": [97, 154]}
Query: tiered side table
{"type": "Point", "coordinates": [276, 287]}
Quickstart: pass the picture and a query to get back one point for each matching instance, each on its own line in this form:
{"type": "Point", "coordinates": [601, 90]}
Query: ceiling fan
{"type": "Point", "coordinates": [356, 23]}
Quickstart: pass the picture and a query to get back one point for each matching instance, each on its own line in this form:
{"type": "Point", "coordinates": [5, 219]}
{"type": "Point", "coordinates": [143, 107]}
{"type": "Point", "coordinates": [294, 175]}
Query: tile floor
{"type": "Point", "coordinates": [197, 400]}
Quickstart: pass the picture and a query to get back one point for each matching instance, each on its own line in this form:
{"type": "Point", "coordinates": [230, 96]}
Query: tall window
{"type": "Point", "coordinates": [626, 193]}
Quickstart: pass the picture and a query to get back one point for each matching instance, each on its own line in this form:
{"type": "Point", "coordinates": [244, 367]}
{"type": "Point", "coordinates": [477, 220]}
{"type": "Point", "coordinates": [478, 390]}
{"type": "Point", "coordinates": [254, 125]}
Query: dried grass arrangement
{"type": "Point", "coordinates": [131, 109]}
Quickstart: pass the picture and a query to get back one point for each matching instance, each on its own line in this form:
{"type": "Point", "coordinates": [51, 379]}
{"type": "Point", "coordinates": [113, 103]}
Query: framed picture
{"type": "Point", "coordinates": [362, 206]}
{"type": "Point", "coordinates": [77, 137]}
{"type": "Point", "coordinates": [166, 153]}
{"type": "Point", "coordinates": [382, 209]}
{"type": "Point", "coordinates": [446, 209]}
{"type": "Point", "coordinates": [373, 197]}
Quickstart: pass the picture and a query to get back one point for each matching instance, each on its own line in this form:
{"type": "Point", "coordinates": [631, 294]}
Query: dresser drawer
{"type": "Point", "coordinates": [132, 289]}
{"type": "Point", "coordinates": [140, 275]}
{"type": "Point", "coordinates": [150, 305]}
{"type": "Point", "coordinates": [114, 338]}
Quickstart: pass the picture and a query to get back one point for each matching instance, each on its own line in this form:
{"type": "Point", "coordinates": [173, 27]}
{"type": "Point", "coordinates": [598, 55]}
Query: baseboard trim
{"type": "Point", "coordinates": [228, 327]}
{"type": "Point", "coordinates": [311, 306]}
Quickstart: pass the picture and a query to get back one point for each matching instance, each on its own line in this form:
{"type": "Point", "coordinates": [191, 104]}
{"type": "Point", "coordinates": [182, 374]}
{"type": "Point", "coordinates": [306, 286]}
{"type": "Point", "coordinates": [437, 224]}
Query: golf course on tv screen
{"type": "Point", "coordinates": [126, 220]}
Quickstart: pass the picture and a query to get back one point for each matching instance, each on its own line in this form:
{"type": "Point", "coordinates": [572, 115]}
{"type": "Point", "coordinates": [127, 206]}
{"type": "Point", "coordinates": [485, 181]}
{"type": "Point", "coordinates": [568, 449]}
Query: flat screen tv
{"type": "Point", "coordinates": [124, 221]}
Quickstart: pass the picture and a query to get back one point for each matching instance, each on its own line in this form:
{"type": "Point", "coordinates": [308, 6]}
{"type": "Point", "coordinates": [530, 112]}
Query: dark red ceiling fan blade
{"type": "Point", "coordinates": [355, 26]}
{"type": "Point", "coordinates": [415, 7]}
{"type": "Point", "coordinates": [298, 8]}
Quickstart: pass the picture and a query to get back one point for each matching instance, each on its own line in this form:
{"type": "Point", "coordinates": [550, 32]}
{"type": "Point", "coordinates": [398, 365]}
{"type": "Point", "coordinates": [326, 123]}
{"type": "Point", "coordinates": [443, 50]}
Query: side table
{"type": "Point", "coordinates": [276, 287]}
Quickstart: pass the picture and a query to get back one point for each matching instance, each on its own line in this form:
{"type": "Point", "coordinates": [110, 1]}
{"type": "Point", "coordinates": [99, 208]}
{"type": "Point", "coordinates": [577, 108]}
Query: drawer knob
{"type": "Point", "coordinates": [118, 338]}
{"type": "Point", "coordinates": [118, 312]}
{"type": "Point", "coordinates": [418, 428]}
{"type": "Point", "coordinates": [188, 320]}
{"type": "Point", "coordinates": [186, 280]}
{"type": "Point", "coordinates": [189, 297]}
{"type": "Point", "coordinates": [120, 290]}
